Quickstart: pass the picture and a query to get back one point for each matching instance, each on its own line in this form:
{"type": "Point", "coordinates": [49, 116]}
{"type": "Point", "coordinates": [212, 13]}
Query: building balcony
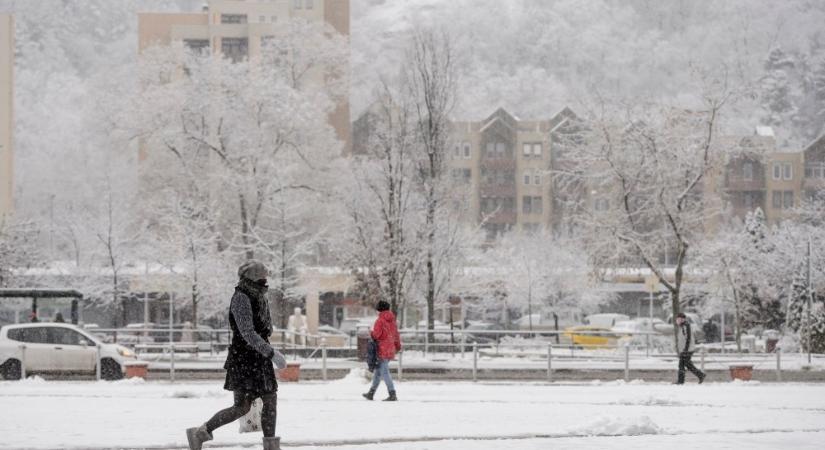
{"type": "Point", "coordinates": [498, 190]}
{"type": "Point", "coordinates": [735, 183]}
{"type": "Point", "coordinates": [500, 216]}
{"type": "Point", "coordinates": [499, 163]}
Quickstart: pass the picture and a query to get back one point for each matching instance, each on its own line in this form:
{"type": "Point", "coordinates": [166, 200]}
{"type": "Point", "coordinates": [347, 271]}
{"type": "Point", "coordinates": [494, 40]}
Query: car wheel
{"type": "Point", "coordinates": [12, 370]}
{"type": "Point", "coordinates": [110, 370]}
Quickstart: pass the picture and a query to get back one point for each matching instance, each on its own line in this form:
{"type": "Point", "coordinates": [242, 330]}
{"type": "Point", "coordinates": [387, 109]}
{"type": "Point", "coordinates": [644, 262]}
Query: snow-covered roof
{"type": "Point", "coordinates": [764, 131]}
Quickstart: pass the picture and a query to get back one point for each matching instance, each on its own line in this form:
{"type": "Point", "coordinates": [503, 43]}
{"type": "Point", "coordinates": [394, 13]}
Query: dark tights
{"type": "Point", "coordinates": [241, 406]}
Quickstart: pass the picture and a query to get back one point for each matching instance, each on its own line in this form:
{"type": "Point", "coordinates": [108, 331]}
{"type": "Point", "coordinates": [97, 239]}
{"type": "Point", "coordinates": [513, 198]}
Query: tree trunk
{"type": "Point", "coordinates": [430, 268]}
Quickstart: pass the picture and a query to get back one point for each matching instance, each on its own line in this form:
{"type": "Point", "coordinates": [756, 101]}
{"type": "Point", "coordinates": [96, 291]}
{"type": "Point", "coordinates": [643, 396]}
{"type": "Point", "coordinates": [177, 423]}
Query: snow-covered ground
{"type": "Point", "coordinates": [452, 415]}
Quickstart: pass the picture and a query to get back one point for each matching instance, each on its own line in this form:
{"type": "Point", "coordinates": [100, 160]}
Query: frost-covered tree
{"type": "Point", "coordinates": [651, 163]}
{"type": "Point", "coordinates": [380, 203]}
{"type": "Point", "coordinates": [541, 271]}
{"type": "Point", "coordinates": [430, 75]}
{"type": "Point", "coordinates": [242, 126]}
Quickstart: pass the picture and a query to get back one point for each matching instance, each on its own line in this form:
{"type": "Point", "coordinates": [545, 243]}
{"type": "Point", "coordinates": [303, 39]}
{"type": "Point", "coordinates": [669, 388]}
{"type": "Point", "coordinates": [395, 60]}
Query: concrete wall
{"type": "Point", "coordinates": [6, 112]}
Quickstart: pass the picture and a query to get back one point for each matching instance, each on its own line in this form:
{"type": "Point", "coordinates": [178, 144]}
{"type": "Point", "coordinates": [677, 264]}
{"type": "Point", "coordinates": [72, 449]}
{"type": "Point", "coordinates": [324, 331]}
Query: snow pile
{"type": "Point", "coordinates": [355, 376]}
{"type": "Point", "coordinates": [621, 426]}
{"type": "Point", "coordinates": [652, 401]}
{"type": "Point", "coordinates": [32, 380]}
{"type": "Point", "coordinates": [746, 383]}
{"type": "Point", "coordinates": [133, 380]}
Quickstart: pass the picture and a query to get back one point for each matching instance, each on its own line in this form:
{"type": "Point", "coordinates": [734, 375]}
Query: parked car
{"type": "Point", "coordinates": [590, 336]}
{"type": "Point", "coordinates": [637, 325]}
{"type": "Point", "coordinates": [605, 320]}
{"type": "Point", "coordinates": [58, 348]}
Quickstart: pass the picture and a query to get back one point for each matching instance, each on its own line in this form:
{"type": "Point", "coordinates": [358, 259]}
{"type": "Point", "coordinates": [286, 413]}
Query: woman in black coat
{"type": "Point", "coordinates": [249, 371]}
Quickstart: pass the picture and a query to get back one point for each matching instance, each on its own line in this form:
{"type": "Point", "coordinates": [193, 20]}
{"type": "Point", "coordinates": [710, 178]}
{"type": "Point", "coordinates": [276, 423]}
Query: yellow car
{"type": "Point", "coordinates": [590, 336]}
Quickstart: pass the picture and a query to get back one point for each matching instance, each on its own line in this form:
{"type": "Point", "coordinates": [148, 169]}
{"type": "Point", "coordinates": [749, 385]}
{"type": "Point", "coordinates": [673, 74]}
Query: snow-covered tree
{"type": "Point", "coordinates": [380, 203]}
{"type": "Point", "coordinates": [430, 75]}
{"type": "Point", "coordinates": [651, 164]}
{"type": "Point", "coordinates": [541, 271]}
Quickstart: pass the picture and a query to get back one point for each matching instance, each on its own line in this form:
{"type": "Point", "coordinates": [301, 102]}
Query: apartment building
{"type": "Point", "coordinates": [238, 29]}
{"type": "Point", "coordinates": [773, 180]}
{"type": "Point", "coordinates": [813, 159]}
{"type": "Point", "coordinates": [506, 163]}
{"type": "Point", "coordinates": [6, 112]}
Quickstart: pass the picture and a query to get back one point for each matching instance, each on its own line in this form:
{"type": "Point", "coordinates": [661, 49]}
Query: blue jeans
{"type": "Point", "coordinates": [382, 371]}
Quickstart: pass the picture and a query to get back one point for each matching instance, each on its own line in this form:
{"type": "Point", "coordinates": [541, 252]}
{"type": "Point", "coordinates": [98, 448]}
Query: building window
{"type": "Point", "coordinates": [310, 4]}
{"type": "Point", "coordinates": [537, 149]}
{"type": "Point", "coordinates": [782, 199]}
{"type": "Point", "coordinates": [297, 4]}
{"type": "Point", "coordinates": [787, 171]}
{"type": "Point", "coordinates": [814, 170]}
{"type": "Point", "coordinates": [777, 172]}
{"type": "Point", "coordinates": [500, 149]}
{"type": "Point", "coordinates": [526, 148]}
{"type": "Point", "coordinates": [466, 150]}
{"type": "Point", "coordinates": [537, 179]}
{"type": "Point", "coordinates": [787, 200]}
{"type": "Point", "coordinates": [601, 204]}
{"type": "Point", "coordinates": [233, 18]}
{"type": "Point", "coordinates": [273, 19]}
{"type": "Point", "coordinates": [747, 171]}
{"type": "Point", "coordinates": [196, 45]}
{"type": "Point", "coordinates": [538, 205]}
{"type": "Point", "coordinates": [748, 200]}
{"type": "Point", "coordinates": [526, 179]}
{"type": "Point", "coordinates": [526, 205]}
{"type": "Point", "coordinates": [491, 150]}
{"type": "Point", "coordinates": [457, 151]}
{"type": "Point", "coordinates": [235, 49]}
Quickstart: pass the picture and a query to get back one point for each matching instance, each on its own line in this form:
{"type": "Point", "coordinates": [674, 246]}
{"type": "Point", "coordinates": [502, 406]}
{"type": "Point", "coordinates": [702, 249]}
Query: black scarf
{"type": "Point", "coordinates": [257, 293]}
{"type": "Point", "coordinates": [252, 289]}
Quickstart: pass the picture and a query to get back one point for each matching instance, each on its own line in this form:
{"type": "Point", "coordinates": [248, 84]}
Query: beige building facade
{"type": "Point", "coordinates": [505, 163]}
{"type": "Point", "coordinates": [238, 28]}
{"type": "Point", "coordinates": [6, 113]}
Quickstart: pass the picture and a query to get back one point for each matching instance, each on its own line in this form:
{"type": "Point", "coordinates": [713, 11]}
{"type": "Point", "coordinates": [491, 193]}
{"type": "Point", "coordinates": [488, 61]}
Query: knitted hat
{"type": "Point", "coordinates": [253, 270]}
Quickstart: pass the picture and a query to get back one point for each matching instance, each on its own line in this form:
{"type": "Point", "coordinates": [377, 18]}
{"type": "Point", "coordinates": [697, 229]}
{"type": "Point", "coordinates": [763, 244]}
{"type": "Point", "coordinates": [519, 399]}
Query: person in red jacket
{"type": "Point", "coordinates": [385, 333]}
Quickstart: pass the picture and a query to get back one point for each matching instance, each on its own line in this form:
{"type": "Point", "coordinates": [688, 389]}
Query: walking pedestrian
{"type": "Point", "coordinates": [385, 333]}
{"type": "Point", "coordinates": [685, 346]}
{"type": "Point", "coordinates": [249, 371]}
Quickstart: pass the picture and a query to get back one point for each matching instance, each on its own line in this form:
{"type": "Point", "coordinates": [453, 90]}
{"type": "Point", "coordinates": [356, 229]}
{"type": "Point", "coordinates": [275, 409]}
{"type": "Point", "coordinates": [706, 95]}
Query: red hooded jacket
{"type": "Point", "coordinates": [386, 333]}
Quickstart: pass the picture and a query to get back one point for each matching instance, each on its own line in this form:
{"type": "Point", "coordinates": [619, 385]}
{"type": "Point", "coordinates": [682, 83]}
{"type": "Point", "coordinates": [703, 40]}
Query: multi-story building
{"type": "Point", "coordinates": [813, 158]}
{"type": "Point", "coordinates": [6, 112]}
{"type": "Point", "coordinates": [238, 29]}
{"type": "Point", "coordinates": [506, 163]}
{"type": "Point", "coordinates": [772, 180]}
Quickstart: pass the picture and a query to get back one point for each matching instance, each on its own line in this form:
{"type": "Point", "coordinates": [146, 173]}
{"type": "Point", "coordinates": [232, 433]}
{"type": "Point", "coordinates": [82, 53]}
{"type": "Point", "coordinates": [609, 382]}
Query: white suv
{"type": "Point", "coordinates": [58, 348]}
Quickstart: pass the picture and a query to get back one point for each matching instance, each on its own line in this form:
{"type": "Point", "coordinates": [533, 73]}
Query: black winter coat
{"type": "Point", "coordinates": [247, 369]}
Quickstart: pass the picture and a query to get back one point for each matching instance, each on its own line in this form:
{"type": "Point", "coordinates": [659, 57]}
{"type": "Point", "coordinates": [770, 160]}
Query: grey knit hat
{"type": "Point", "coordinates": [253, 270]}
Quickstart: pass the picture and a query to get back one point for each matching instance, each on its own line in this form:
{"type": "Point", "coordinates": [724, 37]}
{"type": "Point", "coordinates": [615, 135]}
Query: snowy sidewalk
{"type": "Point", "coordinates": [452, 416]}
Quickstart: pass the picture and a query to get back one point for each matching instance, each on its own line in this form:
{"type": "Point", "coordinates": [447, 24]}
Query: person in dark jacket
{"type": "Point", "coordinates": [385, 333]}
{"type": "Point", "coordinates": [685, 346]}
{"type": "Point", "coordinates": [249, 371]}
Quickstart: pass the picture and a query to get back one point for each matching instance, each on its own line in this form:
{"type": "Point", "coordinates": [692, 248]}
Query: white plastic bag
{"type": "Point", "coordinates": [251, 421]}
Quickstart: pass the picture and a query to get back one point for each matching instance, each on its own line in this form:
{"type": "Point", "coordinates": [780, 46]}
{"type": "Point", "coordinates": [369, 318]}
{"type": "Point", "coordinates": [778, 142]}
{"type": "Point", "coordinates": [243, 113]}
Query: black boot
{"type": "Point", "coordinates": [369, 394]}
{"type": "Point", "coordinates": [391, 398]}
